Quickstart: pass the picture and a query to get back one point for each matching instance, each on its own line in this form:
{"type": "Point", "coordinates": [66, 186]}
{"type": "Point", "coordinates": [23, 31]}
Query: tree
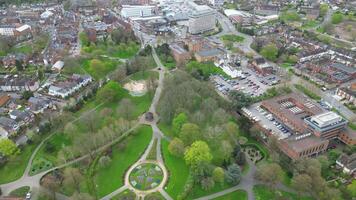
{"type": "Point", "coordinates": [232, 130]}
{"type": "Point", "coordinates": [8, 147]}
{"type": "Point", "coordinates": [271, 173]}
{"type": "Point", "coordinates": [126, 108]}
{"type": "Point", "coordinates": [111, 92]}
{"type": "Point", "coordinates": [239, 99]}
{"type": "Point", "coordinates": [5, 46]}
{"type": "Point", "coordinates": [72, 177]}
{"type": "Point", "coordinates": [198, 152]}
{"type": "Point", "coordinates": [52, 184]}
{"type": "Point", "coordinates": [219, 175]}
{"type": "Point", "coordinates": [104, 161]}
{"type": "Point", "coordinates": [178, 122]}
{"type": "Point", "coordinates": [223, 153]}
{"type": "Point", "coordinates": [323, 9]}
{"type": "Point", "coordinates": [337, 17]}
{"type": "Point", "coordinates": [352, 188]}
{"type": "Point", "coordinates": [19, 66]}
{"type": "Point", "coordinates": [233, 174]}
{"type": "Point", "coordinates": [302, 183]}
{"type": "Point", "coordinates": [70, 129]}
{"type": "Point", "coordinates": [27, 95]}
{"type": "Point", "coordinates": [270, 52]}
{"type": "Point", "coordinates": [207, 183]}
{"type": "Point", "coordinates": [189, 133]}
{"type": "Point", "coordinates": [238, 155]}
{"type": "Point", "coordinates": [176, 147]}
{"type": "Point", "coordinates": [97, 67]}
{"type": "Point", "coordinates": [84, 40]}
{"type": "Point", "coordinates": [220, 116]}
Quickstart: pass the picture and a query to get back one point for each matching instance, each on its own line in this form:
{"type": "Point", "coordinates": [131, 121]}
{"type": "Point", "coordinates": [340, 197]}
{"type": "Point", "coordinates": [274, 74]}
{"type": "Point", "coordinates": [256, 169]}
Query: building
{"type": "Point", "coordinates": [208, 55]}
{"type": "Point", "coordinates": [348, 94]}
{"type": "Point", "coordinates": [180, 54]}
{"type": "Point", "coordinates": [217, 2]}
{"type": "Point", "coordinates": [327, 125]}
{"type": "Point", "coordinates": [347, 163]}
{"type": "Point", "coordinates": [129, 11]}
{"type": "Point", "coordinates": [68, 87]}
{"type": "Point", "coordinates": [201, 18]}
{"type": "Point", "coordinates": [38, 105]}
{"type": "Point", "coordinates": [18, 83]}
{"type": "Point", "coordinates": [262, 66]}
{"type": "Point", "coordinates": [310, 126]}
{"type": "Point", "coordinates": [21, 117]}
{"type": "Point", "coordinates": [9, 125]}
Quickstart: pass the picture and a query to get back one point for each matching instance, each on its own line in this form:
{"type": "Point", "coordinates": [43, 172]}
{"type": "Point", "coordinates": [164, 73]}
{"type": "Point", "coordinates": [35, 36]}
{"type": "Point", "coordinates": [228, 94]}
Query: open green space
{"type": "Point", "coordinates": [154, 196]}
{"type": "Point", "coordinates": [236, 195]}
{"type": "Point", "coordinates": [232, 38]}
{"type": "Point", "coordinates": [143, 75]}
{"type": "Point", "coordinates": [111, 177]}
{"type": "Point", "coordinates": [16, 165]}
{"type": "Point", "coordinates": [152, 155]}
{"type": "Point", "coordinates": [146, 176]}
{"type": "Point", "coordinates": [110, 49]}
{"type": "Point", "coordinates": [20, 192]}
{"type": "Point", "coordinates": [198, 192]}
{"type": "Point", "coordinates": [262, 192]}
{"type": "Point", "coordinates": [204, 70]}
{"type": "Point", "coordinates": [178, 172]}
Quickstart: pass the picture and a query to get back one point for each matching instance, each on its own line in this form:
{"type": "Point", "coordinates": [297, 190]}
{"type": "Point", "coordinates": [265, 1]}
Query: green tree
{"type": "Point", "coordinates": [323, 9]}
{"type": "Point", "coordinates": [98, 68]}
{"type": "Point", "coordinates": [111, 92]}
{"type": "Point", "coordinates": [84, 40]}
{"type": "Point", "coordinates": [189, 133]}
{"type": "Point", "coordinates": [219, 175]}
{"type": "Point", "coordinates": [207, 183]}
{"type": "Point", "coordinates": [198, 152]}
{"type": "Point", "coordinates": [8, 147]}
{"type": "Point", "coordinates": [176, 147]}
{"type": "Point", "coordinates": [270, 52]}
{"type": "Point", "coordinates": [270, 173]}
{"type": "Point", "coordinates": [27, 94]}
{"type": "Point", "coordinates": [178, 122]}
{"type": "Point", "coordinates": [239, 100]}
{"type": "Point", "coordinates": [337, 17]}
{"type": "Point", "coordinates": [233, 174]}
{"type": "Point", "coordinates": [302, 183]}
{"type": "Point", "coordinates": [352, 188]}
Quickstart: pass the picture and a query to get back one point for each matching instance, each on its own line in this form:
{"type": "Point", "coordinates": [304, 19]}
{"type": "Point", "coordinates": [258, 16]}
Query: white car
{"type": "Point", "coordinates": [28, 196]}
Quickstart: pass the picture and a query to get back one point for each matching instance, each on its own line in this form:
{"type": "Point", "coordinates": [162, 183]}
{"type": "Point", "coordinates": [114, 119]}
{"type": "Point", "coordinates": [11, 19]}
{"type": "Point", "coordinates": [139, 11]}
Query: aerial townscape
{"type": "Point", "coordinates": [177, 100]}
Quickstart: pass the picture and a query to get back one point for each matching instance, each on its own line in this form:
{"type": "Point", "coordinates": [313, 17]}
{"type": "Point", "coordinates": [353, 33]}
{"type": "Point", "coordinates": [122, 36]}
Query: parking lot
{"type": "Point", "coordinates": [249, 82]}
{"type": "Point", "coordinates": [268, 121]}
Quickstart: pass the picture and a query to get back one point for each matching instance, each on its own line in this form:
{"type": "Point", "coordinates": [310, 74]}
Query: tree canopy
{"type": "Point", "coordinates": [8, 147]}
{"type": "Point", "coordinates": [198, 152]}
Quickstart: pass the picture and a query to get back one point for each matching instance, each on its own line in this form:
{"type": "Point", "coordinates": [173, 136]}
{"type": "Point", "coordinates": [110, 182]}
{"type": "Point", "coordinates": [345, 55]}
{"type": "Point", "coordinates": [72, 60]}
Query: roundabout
{"type": "Point", "coordinates": [146, 176]}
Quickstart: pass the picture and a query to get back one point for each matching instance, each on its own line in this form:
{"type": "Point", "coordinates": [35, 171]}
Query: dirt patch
{"type": "Point", "coordinates": [136, 88]}
{"type": "Point", "coordinates": [346, 30]}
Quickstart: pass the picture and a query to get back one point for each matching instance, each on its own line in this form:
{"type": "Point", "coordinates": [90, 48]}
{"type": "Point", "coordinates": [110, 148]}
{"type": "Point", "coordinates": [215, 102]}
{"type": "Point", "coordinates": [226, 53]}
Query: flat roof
{"type": "Point", "coordinates": [305, 143]}
{"type": "Point", "coordinates": [326, 117]}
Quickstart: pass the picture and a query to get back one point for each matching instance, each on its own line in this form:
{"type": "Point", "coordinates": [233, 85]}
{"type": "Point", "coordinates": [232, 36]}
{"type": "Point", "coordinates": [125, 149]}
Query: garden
{"type": "Point", "coordinates": [263, 192]}
{"type": "Point", "coordinates": [146, 176]}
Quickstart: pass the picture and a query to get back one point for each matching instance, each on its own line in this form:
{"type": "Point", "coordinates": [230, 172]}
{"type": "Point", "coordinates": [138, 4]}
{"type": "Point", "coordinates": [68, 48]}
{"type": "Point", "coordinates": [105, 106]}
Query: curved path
{"type": "Point", "coordinates": [157, 135]}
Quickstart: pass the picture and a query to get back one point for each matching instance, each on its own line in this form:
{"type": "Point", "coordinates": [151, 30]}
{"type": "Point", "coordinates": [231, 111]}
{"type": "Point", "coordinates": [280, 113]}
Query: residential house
{"type": "Point", "coordinates": [348, 94]}
{"type": "Point", "coordinates": [66, 88]}
{"type": "Point", "coordinates": [10, 83]}
{"type": "Point", "coordinates": [347, 163]}
{"type": "Point", "coordinates": [9, 125]}
{"type": "Point", "coordinates": [4, 99]}
{"type": "Point", "coordinates": [21, 117]}
{"type": "Point", "coordinates": [38, 105]}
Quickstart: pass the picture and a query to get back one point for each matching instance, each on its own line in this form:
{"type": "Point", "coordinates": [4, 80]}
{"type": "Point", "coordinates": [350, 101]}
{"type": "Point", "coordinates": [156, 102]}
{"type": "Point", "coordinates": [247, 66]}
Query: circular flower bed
{"type": "Point", "coordinates": [146, 176]}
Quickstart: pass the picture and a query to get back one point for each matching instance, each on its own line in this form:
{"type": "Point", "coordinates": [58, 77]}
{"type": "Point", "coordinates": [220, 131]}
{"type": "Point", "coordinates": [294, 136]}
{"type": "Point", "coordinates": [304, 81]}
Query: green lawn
{"type": "Point", "coordinates": [178, 172]}
{"type": "Point", "coordinates": [199, 192]}
{"type": "Point", "coordinates": [15, 167]}
{"type": "Point", "coordinates": [236, 195]}
{"type": "Point", "coordinates": [232, 38]}
{"type": "Point", "coordinates": [20, 192]}
{"type": "Point", "coordinates": [262, 192]}
{"type": "Point", "coordinates": [143, 75]}
{"type": "Point", "coordinates": [26, 49]}
{"type": "Point", "coordinates": [111, 178]}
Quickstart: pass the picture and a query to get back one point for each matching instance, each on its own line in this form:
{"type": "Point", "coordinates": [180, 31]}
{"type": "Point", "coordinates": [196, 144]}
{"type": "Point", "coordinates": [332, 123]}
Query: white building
{"type": "Point", "coordinates": [46, 14]}
{"type": "Point", "coordinates": [217, 2]}
{"type": "Point", "coordinates": [7, 31]}
{"type": "Point", "coordinates": [66, 88]}
{"type": "Point", "coordinates": [136, 11]}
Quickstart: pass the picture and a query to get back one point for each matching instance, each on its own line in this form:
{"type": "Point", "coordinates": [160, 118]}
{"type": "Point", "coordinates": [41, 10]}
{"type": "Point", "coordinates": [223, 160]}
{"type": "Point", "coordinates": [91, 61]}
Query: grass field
{"type": "Point", "coordinates": [199, 192]}
{"type": "Point", "coordinates": [263, 192]}
{"type": "Point", "coordinates": [178, 172]}
{"type": "Point", "coordinates": [307, 92]}
{"type": "Point", "coordinates": [236, 195]}
{"type": "Point", "coordinates": [232, 38]}
{"type": "Point", "coordinates": [15, 167]}
{"type": "Point", "coordinates": [20, 192]}
{"type": "Point", "coordinates": [111, 178]}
